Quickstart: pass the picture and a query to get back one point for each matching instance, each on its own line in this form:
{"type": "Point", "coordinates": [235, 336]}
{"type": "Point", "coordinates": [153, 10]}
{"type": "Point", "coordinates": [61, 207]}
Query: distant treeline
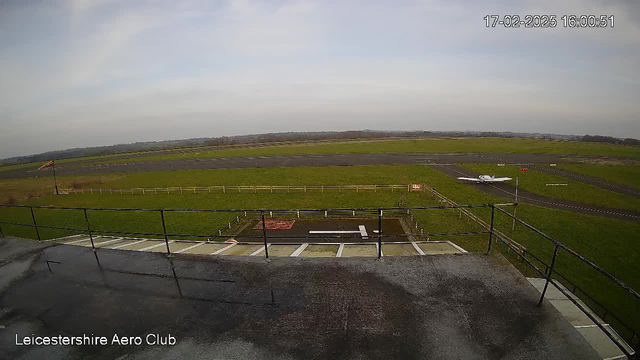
{"type": "Point", "coordinates": [611, 140]}
{"type": "Point", "coordinates": [295, 137]}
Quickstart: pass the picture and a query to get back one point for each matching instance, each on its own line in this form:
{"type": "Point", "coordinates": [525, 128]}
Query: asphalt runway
{"type": "Point", "coordinates": [294, 161]}
{"type": "Point", "coordinates": [507, 192]}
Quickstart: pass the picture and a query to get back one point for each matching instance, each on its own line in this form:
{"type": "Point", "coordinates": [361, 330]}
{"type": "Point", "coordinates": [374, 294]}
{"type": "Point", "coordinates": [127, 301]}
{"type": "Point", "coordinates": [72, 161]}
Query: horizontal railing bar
{"type": "Point", "coordinates": [572, 252]}
{"type": "Point", "coordinates": [590, 316]}
{"type": "Point", "coordinates": [293, 211]}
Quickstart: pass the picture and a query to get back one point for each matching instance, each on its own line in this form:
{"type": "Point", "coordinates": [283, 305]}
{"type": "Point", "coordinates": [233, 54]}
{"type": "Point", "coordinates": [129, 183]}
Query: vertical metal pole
{"type": "Point", "coordinates": [55, 181]}
{"type": "Point", "coordinates": [264, 235]}
{"type": "Point", "coordinates": [513, 225]}
{"type": "Point", "coordinates": [546, 284]}
{"type": "Point", "coordinates": [493, 211]}
{"type": "Point", "coordinates": [86, 219]}
{"type": "Point", "coordinates": [379, 234]}
{"type": "Point", "coordinates": [33, 217]}
{"type": "Point", "coordinates": [164, 231]}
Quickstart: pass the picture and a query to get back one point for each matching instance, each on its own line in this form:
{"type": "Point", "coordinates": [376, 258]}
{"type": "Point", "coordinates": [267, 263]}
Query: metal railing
{"type": "Point", "coordinates": [239, 189]}
{"type": "Point", "coordinates": [378, 213]}
{"type": "Point", "coordinates": [550, 269]}
{"type": "Point", "coordinates": [633, 339]}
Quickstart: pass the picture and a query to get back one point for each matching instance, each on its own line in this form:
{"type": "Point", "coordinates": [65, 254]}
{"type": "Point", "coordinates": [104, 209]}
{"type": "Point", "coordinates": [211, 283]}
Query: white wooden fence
{"type": "Point", "coordinates": [245, 189]}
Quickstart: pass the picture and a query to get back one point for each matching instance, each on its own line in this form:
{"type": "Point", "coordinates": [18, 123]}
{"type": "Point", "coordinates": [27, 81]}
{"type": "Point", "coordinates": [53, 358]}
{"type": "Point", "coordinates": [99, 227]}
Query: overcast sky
{"type": "Point", "coordinates": [97, 72]}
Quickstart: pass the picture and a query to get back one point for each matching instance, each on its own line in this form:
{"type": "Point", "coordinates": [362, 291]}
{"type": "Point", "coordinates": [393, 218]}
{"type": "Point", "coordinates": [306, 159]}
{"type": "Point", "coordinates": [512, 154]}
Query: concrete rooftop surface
{"type": "Point", "coordinates": [421, 307]}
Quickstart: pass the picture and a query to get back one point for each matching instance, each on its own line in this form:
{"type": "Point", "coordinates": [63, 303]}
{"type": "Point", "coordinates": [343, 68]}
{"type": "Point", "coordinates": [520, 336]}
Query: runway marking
{"type": "Point", "coordinates": [457, 247]}
{"type": "Point", "coordinates": [125, 245]}
{"type": "Point", "coordinates": [588, 326]}
{"type": "Point", "coordinates": [189, 248]}
{"type": "Point", "coordinates": [299, 250]}
{"type": "Point", "coordinates": [362, 231]}
{"type": "Point", "coordinates": [224, 249]}
{"type": "Point", "coordinates": [155, 246]}
{"type": "Point", "coordinates": [340, 250]}
{"type": "Point", "coordinates": [107, 242]}
{"type": "Point", "coordinates": [415, 246]}
{"type": "Point", "coordinates": [259, 250]}
{"type": "Point", "coordinates": [76, 241]}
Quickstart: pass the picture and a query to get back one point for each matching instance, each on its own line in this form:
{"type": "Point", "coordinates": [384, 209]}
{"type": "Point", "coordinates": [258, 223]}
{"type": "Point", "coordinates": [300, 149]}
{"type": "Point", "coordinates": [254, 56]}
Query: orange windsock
{"type": "Point", "coordinates": [49, 164]}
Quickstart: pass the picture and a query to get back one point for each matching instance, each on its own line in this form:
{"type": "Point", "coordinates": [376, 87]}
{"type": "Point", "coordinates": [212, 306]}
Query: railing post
{"type": "Point", "coordinates": [164, 231]}
{"type": "Point", "coordinates": [493, 211]}
{"type": "Point", "coordinates": [35, 225]}
{"type": "Point", "coordinates": [546, 284]}
{"type": "Point", "coordinates": [264, 235]}
{"type": "Point", "coordinates": [86, 219]}
{"type": "Point", "coordinates": [379, 234]}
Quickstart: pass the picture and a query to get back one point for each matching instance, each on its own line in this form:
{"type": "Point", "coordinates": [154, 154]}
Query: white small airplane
{"type": "Point", "coordinates": [486, 179]}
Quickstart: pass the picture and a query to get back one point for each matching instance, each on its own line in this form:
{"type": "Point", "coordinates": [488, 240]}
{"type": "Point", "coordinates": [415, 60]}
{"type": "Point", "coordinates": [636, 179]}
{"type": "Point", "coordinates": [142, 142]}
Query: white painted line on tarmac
{"type": "Point", "coordinates": [415, 246]}
{"type": "Point", "coordinates": [189, 248]}
{"type": "Point", "coordinates": [258, 251]}
{"type": "Point", "coordinates": [107, 242]}
{"type": "Point", "coordinates": [377, 247]}
{"type": "Point", "coordinates": [363, 232]}
{"type": "Point", "coordinates": [76, 241]}
{"type": "Point", "coordinates": [616, 357]}
{"type": "Point", "coordinates": [155, 246]}
{"type": "Point", "coordinates": [125, 245]}
{"type": "Point", "coordinates": [223, 249]}
{"type": "Point", "coordinates": [588, 326]}
{"type": "Point", "coordinates": [64, 238]}
{"type": "Point", "coordinates": [299, 250]}
{"type": "Point", "coordinates": [457, 247]}
{"type": "Point", "coordinates": [340, 250]}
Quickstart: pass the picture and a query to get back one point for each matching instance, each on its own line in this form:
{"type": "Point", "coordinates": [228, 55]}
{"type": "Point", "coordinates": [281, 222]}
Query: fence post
{"type": "Point", "coordinates": [264, 235]}
{"type": "Point", "coordinates": [1, 233]}
{"type": "Point", "coordinates": [86, 219]}
{"type": "Point", "coordinates": [379, 234]}
{"type": "Point", "coordinates": [164, 230]}
{"type": "Point", "coordinates": [493, 210]}
{"type": "Point", "coordinates": [546, 284]}
{"type": "Point", "coordinates": [33, 217]}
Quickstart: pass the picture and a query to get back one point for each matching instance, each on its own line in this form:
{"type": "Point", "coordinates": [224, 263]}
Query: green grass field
{"type": "Point", "coordinates": [609, 243]}
{"type": "Point", "coordinates": [430, 145]}
{"type": "Point", "coordinates": [427, 145]}
{"type": "Point", "coordinates": [623, 174]}
{"type": "Point", "coordinates": [535, 182]}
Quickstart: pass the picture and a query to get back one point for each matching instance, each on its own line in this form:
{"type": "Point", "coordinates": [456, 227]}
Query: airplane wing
{"type": "Point", "coordinates": [500, 179]}
{"type": "Point", "coordinates": [469, 179]}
